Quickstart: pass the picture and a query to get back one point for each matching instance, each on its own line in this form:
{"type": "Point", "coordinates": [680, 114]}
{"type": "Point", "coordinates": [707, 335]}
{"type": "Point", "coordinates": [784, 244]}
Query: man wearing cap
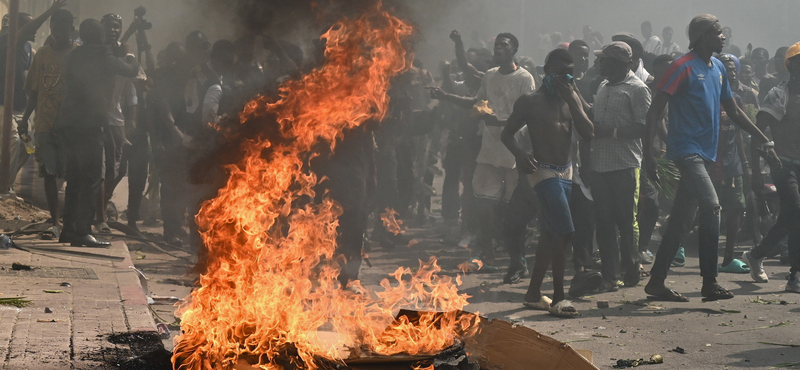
{"type": "Point", "coordinates": [694, 86]}
{"type": "Point", "coordinates": [616, 158]}
{"type": "Point", "coordinates": [781, 113]}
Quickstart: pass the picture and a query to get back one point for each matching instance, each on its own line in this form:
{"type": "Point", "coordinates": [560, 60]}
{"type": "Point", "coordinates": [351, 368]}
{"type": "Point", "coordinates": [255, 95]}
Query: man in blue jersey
{"type": "Point", "coordinates": [694, 86]}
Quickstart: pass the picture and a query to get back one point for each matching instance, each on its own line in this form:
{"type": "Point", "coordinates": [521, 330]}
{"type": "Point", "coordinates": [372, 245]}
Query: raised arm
{"type": "Point", "coordinates": [654, 118]}
{"type": "Point", "coordinates": [33, 26]}
{"type": "Point", "coordinates": [469, 70]}
{"type": "Point", "coordinates": [580, 119]}
{"type": "Point", "coordinates": [463, 101]}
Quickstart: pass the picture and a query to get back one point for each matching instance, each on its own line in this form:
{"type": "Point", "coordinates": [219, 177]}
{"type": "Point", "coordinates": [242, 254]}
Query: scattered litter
{"type": "Point", "coordinates": [20, 267]}
{"type": "Point", "coordinates": [48, 320]}
{"type": "Point", "coordinates": [623, 331]}
{"type": "Point", "coordinates": [759, 299]}
{"type": "Point", "coordinates": [165, 299]}
{"type": "Point", "coordinates": [53, 291]}
{"type": "Point", "coordinates": [602, 304]}
{"type": "Point", "coordinates": [678, 350]}
{"type": "Point", "coordinates": [787, 364]}
{"type": "Point", "coordinates": [65, 284]}
{"type": "Point", "coordinates": [599, 327]}
{"type": "Point", "coordinates": [654, 359]}
{"type": "Point", "coordinates": [760, 327]}
{"type": "Point", "coordinates": [48, 310]}
{"type": "Point", "coordinates": [5, 242]}
{"type": "Point", "coordinates": [598, 335]}
{"type": "Point", "coordinates": [731, 311]}
{"type": "Point", "coordinates": [413, 242]}
{"type": "Point", "coordinates": [18, 302]}
{"type": "Point", "coordinates": [163, 330]}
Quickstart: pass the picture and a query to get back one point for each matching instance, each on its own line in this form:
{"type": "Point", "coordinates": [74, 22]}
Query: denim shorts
{"type": "Point", "coordinates": [554, 194]}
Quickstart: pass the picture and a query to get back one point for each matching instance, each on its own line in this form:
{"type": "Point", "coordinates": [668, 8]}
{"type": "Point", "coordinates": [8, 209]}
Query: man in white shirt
{"type": "Point", "coordinates": [651, 42]}
{"type": "Point", "coordinates": [667, 45]}
{"type": "Point", "coordinates": [495, 175]}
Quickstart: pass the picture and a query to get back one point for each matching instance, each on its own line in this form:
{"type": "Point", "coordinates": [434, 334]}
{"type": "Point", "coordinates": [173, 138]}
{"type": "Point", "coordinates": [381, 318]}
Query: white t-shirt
{"type": "Point", "coordinates": [652, 44]}
{"type": "Point", "coordinates": [502, 91]}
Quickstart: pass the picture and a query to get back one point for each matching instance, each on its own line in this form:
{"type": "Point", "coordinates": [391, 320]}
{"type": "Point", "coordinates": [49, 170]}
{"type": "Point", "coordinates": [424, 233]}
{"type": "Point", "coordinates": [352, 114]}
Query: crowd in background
{"type": "Point", "coordinates": [571, 142]}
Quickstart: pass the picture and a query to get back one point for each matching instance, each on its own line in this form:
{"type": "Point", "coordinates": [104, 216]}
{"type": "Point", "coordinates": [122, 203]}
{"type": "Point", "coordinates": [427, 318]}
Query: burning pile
{"type": "Point", "coordinates": [270, 285]}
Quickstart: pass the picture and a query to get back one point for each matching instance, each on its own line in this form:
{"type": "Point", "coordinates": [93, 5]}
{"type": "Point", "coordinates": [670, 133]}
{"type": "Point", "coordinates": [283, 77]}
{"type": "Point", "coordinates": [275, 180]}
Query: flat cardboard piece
{"type": "Point", "coordinates": [502, 345]}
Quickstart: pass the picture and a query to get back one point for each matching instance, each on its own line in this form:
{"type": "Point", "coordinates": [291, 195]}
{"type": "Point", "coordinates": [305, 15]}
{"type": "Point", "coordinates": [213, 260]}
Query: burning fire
{"type": "Point", "coordinates": [391, 223]}
{"type": "Point", "coordinates": [270, 286]}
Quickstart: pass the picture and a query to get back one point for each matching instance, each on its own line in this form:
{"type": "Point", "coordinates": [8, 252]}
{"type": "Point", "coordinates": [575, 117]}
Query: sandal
{"type": "Point", "coordinates": [643, 273]}
{"type": "Point", "coordinates": [664, 294]}
{"type": "Point", "coordinates": [564, 309]}
{"type": "Point", "coordinates": [53, 233]}
{"type": "Point", "coordinates": [736, 267]}
{"type": "Point", "coordinates": [585, 282]}
{"type": "Point", "coordinates": [102, 228]}
{"type": "Point", "coordinates": [542, 305]}
{"type": "Point", "coordinates": [715, 292]}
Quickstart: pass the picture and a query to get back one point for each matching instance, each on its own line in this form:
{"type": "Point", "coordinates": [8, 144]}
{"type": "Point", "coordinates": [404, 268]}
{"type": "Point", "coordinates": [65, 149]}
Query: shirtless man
{"type": "Point", "coordinates": [550, 113]}
{"type": "Point", "coordinates": [780, 112]}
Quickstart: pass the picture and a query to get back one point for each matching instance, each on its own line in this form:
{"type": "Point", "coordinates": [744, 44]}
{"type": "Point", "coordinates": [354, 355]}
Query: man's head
{"type": "Point", "coordinates": [245, 48]}
{"type": "Point", "coordinates": [747, 71]}
{"type": "Point", "coordinates": [223, 55]}
{"type": "Point", "coordinates": [559, 63]}
{"type": "Point", "coordinates": [780, 60]}
{"type": "Point", "coordinates": [92, 32]}
{"type": "Point", "coordinates": [197, 46]}
{"type": "Point", "coordinates": [647, 29]}
{"type": "Point", "coordinates": [728, 33]}
{"type": "Point", "coordinates": [661, 65]}
{"type": "Point", "coordinates": [62, 26]}
{"type": "Point", "coordinates": [792, 60]}
{"type": "Point", "coordinates": [759, 55]}
{"type": "Point", "coordinates": [113, 27]}
{"type": "Point", "coordinates": [614, 58]}
{"type": "Point", "coordinates": [705, 32]}
{"type": "Point", "coordinates": [173, 53]}
{"type": "Point", "coordinates": [637, 49]}
{"type": "Point", "coordinates": [666, 34]}
{"type": "Point", "coordinates": [731, 63]}
{"type": "Point", "coordinates": [505, 47]}
{"type": "Point", "coordinates": [23, 19]}
{"type": "Point", "coordinates": [587, 32]}
{"type": "Point", "coordinates": [579, 50]}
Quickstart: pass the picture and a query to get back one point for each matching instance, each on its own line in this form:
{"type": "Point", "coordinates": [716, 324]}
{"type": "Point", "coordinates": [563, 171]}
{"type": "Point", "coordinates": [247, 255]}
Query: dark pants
{"type": "Point", "coordinates": [172, 166]}
{"type": "Point", "coordinates": [615, 209]}
{"type": "Point", "coordinates": [521, 210]}
{"type": "Point", "coordinates": [134, 164]}
{"type": "Point", "coordinates": [453, 165]}
{"type": "Point", "coordinates": [695, 189]}
{"type": "Point", "coordinates": [84, 151]}
{"type": "Point", "coordinates": [347, 185]}
{"type": "Point", "coordinates": [386, 191]}
{"type": "Point", "coordinates": [648, 212]}
{"type": "Point", "coordinates": [582, 210]}
{"type": "Point", "coordinates": [786, 181]}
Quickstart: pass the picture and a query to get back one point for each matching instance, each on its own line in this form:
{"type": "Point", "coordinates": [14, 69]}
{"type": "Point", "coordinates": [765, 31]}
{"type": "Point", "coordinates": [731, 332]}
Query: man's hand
{"type": "Point", "coordinates": [455, 36]}
{"type": "Point", "coordinates": [445, 68]}
{"type": "Point", "coordinates": [651, 166]}
{"type": "Point", "coordinates": [526, 163]}
{"type": "Point", "coordinates": [436, 93]}
{"type": "Point", "coordinates": [771, 157]}
{"type": "Point", "coordinates": [565, 90]}
{"type": "Point", "coordinates": [58, 4]}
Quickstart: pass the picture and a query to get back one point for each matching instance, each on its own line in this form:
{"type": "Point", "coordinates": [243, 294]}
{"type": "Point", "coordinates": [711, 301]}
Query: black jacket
{"type": "Point", "coordinates": [90, 77]}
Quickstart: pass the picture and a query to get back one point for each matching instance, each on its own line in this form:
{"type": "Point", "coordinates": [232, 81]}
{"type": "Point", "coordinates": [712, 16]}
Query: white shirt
{"type": "Point", "coordinates": [652, 44]}
{"type": "Point", "coordinates": [668, 49]}
{"type": "Point", "coordinates": [502, 91]}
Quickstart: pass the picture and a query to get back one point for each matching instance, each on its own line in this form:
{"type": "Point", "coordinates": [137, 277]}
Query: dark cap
{"type": "Point", "coordinates": [616, 50]}
{"type": "Point", "coordinates": [196, 38]}
{"type": "Point", "coordinates": [699, 26]}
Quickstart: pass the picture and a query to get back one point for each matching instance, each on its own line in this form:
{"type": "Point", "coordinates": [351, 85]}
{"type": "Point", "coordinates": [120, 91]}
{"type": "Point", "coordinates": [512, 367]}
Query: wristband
{"type": "Point", "coordinates": [614, 135]}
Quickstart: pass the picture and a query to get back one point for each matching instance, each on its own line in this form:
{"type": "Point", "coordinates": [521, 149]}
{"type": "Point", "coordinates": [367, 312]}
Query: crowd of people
{"type": "Point", "coordinates": [579, 146]}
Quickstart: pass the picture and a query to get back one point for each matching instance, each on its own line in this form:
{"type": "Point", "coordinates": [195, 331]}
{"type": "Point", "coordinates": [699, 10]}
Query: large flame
{"type": "Point", "coordinates": [270, 284]}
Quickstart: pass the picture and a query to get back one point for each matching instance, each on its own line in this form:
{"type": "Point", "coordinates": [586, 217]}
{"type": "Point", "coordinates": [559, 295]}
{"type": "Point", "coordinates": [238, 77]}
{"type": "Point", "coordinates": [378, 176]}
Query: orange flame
{"type": "Point", "coordinates": [270, 284]}
{"type": "Point", "coordinates": [391, 223]}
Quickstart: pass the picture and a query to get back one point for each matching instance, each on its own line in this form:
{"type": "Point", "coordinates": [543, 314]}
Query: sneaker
{"type": "Point", "coordinates": [516, 272]}
{"type": "Point", "coordinates": [793, 285]}
{"type": "Point", "coordinates": [680, 258]}
{"type": "Point", "coordinates": [646, 257]}
{"type": "Point", "coordinates": [467, 240]}
{"type": "Point", "coordinates": [756, 267]}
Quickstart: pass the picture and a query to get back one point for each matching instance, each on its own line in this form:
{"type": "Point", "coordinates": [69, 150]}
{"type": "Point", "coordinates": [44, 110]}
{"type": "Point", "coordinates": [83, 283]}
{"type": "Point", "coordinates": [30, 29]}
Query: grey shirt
{"type": "Point", "coordinates": [619, 105]}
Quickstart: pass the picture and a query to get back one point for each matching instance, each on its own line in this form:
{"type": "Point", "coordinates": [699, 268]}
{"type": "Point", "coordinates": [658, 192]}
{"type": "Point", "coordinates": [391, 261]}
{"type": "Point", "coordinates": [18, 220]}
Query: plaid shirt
{"type": "Point", "coordinates": [619, 105]}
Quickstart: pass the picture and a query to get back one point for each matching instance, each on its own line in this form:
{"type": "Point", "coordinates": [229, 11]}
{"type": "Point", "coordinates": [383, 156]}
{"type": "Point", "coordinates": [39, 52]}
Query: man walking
{"type": "Point", "coordinates": [694, 86]}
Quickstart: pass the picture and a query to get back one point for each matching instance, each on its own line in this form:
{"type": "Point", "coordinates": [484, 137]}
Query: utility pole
{"type": "Point", "coordinates": [8, 112]}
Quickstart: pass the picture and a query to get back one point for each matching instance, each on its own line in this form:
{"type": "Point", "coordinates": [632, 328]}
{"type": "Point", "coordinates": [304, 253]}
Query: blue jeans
{"type": "Point", "coordinates": [694, 190]}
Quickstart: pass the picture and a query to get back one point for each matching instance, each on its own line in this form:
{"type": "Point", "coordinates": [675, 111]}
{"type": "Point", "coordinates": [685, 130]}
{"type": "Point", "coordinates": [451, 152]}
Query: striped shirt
{"type": "Point", "coordinates": [619, 105]}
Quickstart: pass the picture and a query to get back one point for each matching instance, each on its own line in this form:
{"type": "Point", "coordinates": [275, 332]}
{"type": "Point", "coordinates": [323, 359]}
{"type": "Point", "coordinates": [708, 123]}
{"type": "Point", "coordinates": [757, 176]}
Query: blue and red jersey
{"type": "Point", "coordinates": [696, 90]}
